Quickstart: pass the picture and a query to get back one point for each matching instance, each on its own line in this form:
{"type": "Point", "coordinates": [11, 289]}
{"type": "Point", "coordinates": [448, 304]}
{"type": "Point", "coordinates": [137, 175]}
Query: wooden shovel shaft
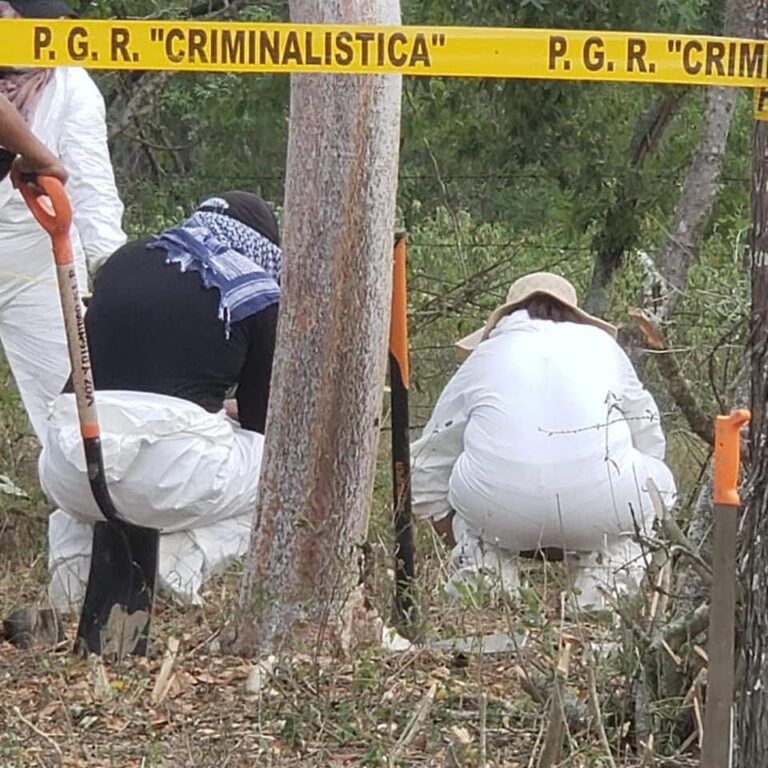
{"type": "Point", "coordinates": [82, 383]}
{"type": "Point", "coordinates": [57, 221]}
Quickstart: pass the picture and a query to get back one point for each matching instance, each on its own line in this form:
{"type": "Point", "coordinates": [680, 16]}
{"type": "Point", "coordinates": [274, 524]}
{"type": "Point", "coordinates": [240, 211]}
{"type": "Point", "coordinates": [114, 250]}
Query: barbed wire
{"type": "Point", "coordinates": [541, 175]}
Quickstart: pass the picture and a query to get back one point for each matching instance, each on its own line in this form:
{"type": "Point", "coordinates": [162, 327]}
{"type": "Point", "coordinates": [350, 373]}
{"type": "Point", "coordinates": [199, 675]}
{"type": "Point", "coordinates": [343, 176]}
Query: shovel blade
{"type": "Point", "coordinates": [117, 609]}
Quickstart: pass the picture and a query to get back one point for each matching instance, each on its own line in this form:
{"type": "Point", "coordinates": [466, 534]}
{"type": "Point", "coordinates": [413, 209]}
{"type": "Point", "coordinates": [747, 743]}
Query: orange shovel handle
{"type": "Point", "coordinates": [727, 458]}
{"type": "Point", "coordinates": [50, 205]}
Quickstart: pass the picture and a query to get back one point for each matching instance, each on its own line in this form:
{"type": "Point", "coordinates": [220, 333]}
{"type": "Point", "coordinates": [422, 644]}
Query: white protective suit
{"type": "Point", "coordinates": [544, 438]}
{"type": "Point", "coordinates": [171, 465]}
{"type": "Point", "coordinates": [70, 121]}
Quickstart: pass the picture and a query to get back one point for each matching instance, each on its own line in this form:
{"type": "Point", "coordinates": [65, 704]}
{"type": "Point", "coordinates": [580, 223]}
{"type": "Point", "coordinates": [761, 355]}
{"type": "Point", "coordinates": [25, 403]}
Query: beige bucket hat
{"type": "Point", "coordinates": [523, 289]}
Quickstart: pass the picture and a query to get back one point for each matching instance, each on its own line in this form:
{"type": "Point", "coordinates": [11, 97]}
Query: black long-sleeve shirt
{"type": "Point", "coordinates": [153, 328]}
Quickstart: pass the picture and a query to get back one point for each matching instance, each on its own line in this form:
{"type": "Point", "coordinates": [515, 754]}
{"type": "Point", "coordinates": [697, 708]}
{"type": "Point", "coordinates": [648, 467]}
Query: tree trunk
{"type": "Point", "coordinates": [752, 721]}
{"type": "Point", "coordinates": [697, 198]}
{"type": "Point", "coordinates": [620, 228]}
{"type": "Point", "coordinates": [302, 572]}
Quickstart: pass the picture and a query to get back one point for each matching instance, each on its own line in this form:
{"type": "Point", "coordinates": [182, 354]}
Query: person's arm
{"type": "Point", "coordinates": [434, 455]}
{"type": "Point", "coordinates": [641, 412]}
{"type": "Point", "coordinates": [253, 386]}
{"type": "Point", "coordinates": [15, 136]}
{"type": "Point", "coordinates": [96, 206]}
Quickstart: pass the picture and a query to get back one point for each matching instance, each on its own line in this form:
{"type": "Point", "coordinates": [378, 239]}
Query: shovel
{"type": "Point", "coordinates": [716, 749]}
{"type": "Point", "coordinates": [117, 609]}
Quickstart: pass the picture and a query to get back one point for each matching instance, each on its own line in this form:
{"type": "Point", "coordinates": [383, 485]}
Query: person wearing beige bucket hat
{"type": "Point", "coordinates": [536, 284]}
{"type": "Point", "coordinates": [544, 438]}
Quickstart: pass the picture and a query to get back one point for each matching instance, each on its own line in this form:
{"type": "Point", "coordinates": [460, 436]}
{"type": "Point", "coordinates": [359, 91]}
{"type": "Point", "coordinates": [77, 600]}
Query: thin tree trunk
{"type": "Point", "coordinates": [697, 198]}
{"type": "Point", "coordinates": [752, 720]}
{"type": "Point", "coordinates": [302, 572]}
{"type": "Point", "coordinates": [699, 192]}
{"type": "Point", "coordinates": [664, 289]}
{"type": "Point", "coordinates": [665, 285]}
{"type": "Point", "coordinates": [620, 228]}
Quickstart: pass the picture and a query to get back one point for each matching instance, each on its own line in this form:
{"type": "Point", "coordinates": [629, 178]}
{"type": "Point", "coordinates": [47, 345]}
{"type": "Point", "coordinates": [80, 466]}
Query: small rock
{"type": "Point", "coordinates": [260, 674]}
{"type": "Point", "coordinates": [391, 640]}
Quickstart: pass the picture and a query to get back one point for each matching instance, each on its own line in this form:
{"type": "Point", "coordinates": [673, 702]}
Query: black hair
{"type": "Point", "coordinates": [542, 306]}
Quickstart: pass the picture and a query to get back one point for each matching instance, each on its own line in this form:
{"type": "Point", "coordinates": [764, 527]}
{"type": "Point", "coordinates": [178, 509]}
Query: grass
{"type": "Point", "coordinates": [418, 708]}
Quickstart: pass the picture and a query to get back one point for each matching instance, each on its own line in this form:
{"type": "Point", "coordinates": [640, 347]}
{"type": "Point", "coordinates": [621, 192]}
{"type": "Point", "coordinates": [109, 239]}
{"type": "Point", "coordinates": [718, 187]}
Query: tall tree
{"type": "Point", "coordinates": [752, 736]}
{"type": "Point", "coordinates": [316, 483]}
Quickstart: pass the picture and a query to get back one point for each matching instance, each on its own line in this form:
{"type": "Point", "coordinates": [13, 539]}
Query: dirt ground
{"type": "Point", "coordinates": [375, 708]}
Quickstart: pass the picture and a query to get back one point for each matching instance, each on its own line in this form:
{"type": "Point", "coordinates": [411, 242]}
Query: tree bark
{"type": "Point", "coordinates": [752, 721]}
{"type": "Point", "coordinates": [301, 578]}
{"type": "Point", "coordinates": [697, 198]}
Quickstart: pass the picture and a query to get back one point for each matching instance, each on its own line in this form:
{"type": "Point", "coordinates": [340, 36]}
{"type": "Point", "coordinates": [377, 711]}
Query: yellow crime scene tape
{"type": "Point", "coordinates": [436, 51]}
{"type": "Point", "coordinates": [760, 106]}
{"type": "Point", "coordinates": [421, 51]}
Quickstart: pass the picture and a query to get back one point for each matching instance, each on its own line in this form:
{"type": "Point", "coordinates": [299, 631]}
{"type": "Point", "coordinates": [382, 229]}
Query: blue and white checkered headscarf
{"type": "Point", "coordinates": [230, 256]}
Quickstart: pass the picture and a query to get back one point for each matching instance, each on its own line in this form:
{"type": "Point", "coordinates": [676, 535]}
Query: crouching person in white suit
{"type": "Point", "coordinates": [544, 438]}
{"type": "Point", "coordinates": [175, 322]}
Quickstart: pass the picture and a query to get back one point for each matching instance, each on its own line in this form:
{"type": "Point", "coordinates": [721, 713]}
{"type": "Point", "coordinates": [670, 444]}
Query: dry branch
{"type": "Point", "coordinates": [553, 740]}
{"type": "Point", "coordinates": [594, 702]}
{"type": "Point", "coordinates": [165, 676]}
{"type": "Point", "coordinates": [684, 627]}
{"type": "Point", "coordinates": [414, 724]}
{"type": "Point", "coordinates": [697, 196]}
{"type": "Point", "coordinates": [678, 386]}
{"type": "Point", "coordinates": [535, 685]}
{"type": "Point", "coordinates": [32, 727]}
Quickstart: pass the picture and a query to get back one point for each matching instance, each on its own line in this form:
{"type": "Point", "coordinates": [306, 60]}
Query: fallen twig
{"type": "Point", "coordinates": [414, 724]}
{"type": "Point", "coordinates": [165, 676]}
{"type": "Point", "coordinates": [102, 690]}
{"type": "Point", "coordinates": [32, 727]}
{"type": "Point", "coordinates": [648, 749]}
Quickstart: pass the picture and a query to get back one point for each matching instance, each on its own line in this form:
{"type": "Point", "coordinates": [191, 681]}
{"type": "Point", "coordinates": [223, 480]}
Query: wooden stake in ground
{"type": "Point", "coordinates": [327, 386]}
{"type": "Point", "coordinates": [716, 747]}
